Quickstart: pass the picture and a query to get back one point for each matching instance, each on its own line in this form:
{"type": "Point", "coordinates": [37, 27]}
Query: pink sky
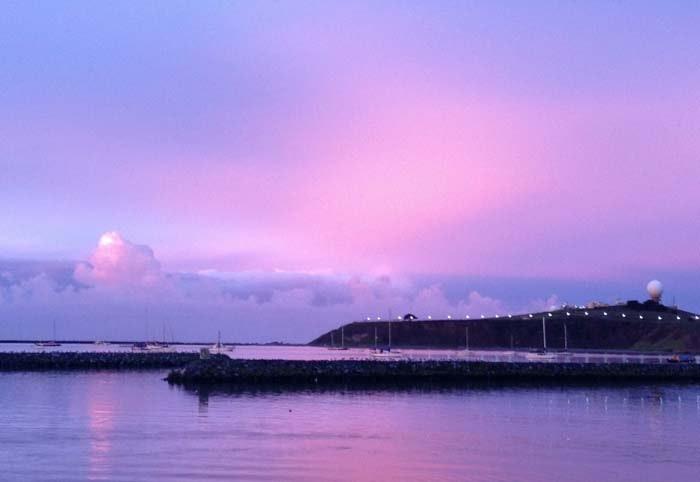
{"type": "Point", "coordinates": [556, 142]}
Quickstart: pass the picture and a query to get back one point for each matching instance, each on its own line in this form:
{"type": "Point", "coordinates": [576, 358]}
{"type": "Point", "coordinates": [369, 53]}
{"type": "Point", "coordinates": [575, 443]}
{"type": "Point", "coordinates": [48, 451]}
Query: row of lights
{"type": "Point", "coordinates": [605, 313]}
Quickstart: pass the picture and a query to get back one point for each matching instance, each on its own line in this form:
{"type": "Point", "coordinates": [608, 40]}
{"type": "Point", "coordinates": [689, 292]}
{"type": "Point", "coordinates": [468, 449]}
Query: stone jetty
{"type": "Point", "coordinates": [23, 361]}
{"type": "Point", "coordinates": [222, 369]}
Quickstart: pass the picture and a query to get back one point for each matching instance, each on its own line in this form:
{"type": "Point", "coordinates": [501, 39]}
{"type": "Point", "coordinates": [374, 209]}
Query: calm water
{"type": "Point", "coordinates": [134, 426]}
{"type": "Point", "coordinates": [321, 353]}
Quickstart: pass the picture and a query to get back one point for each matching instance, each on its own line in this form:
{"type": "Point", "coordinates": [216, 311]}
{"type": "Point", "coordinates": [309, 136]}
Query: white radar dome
{"type": "Point", "coordinates": [655, 289]}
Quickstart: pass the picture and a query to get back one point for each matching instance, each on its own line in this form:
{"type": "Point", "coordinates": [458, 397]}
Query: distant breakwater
{"type": "Point", "coordinates": [22, 361]}
{"type": "Point", "coordinates": [221, 369]}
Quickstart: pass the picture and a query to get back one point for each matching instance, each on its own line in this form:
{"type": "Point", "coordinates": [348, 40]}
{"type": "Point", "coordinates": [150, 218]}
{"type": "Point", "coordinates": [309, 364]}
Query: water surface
{"type": "Point", "coordinates": [126, 426]}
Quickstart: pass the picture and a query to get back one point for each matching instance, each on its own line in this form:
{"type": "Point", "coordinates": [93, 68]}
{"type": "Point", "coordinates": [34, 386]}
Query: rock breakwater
{"type": "Point", "coordinates": [221, 369]}
{"type": "Point", "coordinates": [93, 361]}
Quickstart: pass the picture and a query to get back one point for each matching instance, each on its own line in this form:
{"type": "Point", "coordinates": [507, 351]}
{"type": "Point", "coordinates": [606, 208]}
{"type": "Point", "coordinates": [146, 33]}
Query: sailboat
{"type": "Point", "coordinates": [388, 353]}
{"type": "Point", "coordinates": [218, 347]}
{"type": "Point", "coordinates": [542, 354]}
{"type": "Point", "coordinates": [342, 341]}
{"type": "Point", "coordinates": [566, 351]}
{"type": "Point", "coordinates": [158, 345]}
{"type": "Point", "coordinates": [53, 342]}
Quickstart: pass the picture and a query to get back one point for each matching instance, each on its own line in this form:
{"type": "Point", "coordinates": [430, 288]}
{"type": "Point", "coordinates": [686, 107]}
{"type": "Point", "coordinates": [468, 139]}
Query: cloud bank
{"type": "Point", "coordinates": [123, 293]}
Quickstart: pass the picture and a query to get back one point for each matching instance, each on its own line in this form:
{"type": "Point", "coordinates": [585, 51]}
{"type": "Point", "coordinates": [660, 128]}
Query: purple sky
{"type": "Point", "coordinates": [275, 169]}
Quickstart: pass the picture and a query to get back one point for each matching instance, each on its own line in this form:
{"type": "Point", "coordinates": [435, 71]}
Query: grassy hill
{"type": "Point", "coordinates": [644, 329]}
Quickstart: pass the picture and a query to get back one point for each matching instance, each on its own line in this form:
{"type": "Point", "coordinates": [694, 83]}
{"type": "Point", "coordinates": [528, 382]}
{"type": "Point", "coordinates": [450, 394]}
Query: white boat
{"type": "Point", "coordinates": [158, 347]}
{"type": "Point", "coordinates": [540, 356]}
{"type": "Point", "coordinates": [342, 341]}
{"type": "Point", "coordinates": [386, 354]}
{"type": "Point", "coordinates": [219, 347]}
{"type": "Point", "coordinates": [44, 344]}
{"type": "Point", "coordinates": [151, 347]}
{"type": "Point", "coordinates": [52, 343]}
{"type": "Point", "coordinates": [396, 352]}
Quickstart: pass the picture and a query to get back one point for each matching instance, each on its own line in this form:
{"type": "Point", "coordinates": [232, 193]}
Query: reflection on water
{"type": "Point", "coordinates": [100, 423]}
{"type": "Point", "coordinates": [134, 426]}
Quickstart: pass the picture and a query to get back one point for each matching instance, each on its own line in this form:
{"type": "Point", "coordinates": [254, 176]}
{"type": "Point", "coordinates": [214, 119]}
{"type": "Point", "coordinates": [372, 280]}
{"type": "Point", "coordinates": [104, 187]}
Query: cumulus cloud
{"type": "Point", "coordinates": [117, 261]}
{"type": "Point", "coordinates": [546, 304]}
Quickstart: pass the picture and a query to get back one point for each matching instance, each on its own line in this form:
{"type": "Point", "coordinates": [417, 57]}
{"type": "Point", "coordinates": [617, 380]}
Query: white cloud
{"type": "Point", "coordinates": [117, 261]}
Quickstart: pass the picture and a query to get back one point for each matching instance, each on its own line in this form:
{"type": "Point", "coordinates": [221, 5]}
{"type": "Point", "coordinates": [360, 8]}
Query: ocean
{"type": "Point", "coordinates": [129, 426]}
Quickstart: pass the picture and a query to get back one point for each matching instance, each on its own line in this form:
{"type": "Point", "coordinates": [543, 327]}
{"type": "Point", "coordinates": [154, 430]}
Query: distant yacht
{"type": "Point", "coordinates": [218, 347]}
{"type": "Point", "coordinates": [542, 354]}
{"type": "Point", "coordinates": [384, 352]}
{"type": "Point", "coordinates": [151, 347]}
{"type": "Point", "coordinates": [52, 343]}
{"type": "Point", "coordinates": [342, 341]}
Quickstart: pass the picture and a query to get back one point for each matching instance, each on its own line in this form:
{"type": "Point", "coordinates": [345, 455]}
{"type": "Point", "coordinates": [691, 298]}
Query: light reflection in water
{"type": "Point", "coordinates": [101, 423]}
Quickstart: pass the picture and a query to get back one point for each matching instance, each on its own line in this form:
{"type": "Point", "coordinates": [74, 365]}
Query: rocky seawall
{"type": "Point", "coordinates": [221, 369]}
{"type": "Point", "coordinates": [93, 361]}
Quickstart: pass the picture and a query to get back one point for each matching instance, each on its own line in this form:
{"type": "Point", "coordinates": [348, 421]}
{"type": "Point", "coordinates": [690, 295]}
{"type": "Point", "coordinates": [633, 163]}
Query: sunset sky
{"type": "Point", "coordinates": [275, 169]}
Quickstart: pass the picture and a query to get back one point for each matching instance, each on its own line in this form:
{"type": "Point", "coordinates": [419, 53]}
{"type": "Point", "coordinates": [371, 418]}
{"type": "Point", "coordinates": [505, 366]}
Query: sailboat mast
{"type": "Point", "coordinates": [375, 338]}
{"type": "Point", "coordinates": [566, 341]}
{"type": "Point", "coordinates": [467, 338]}
{"type": "Point", "coordinates": [544, 334]}
{"type": "Point", "coordinates": [342, 337]}
{"type": "Point", "coordinates": [54, 330]}
{"type": "Point", "coordinates": [389, 335]}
